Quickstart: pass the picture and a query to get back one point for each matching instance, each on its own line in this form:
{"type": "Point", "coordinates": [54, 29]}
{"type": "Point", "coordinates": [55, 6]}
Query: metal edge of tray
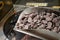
{"type": "Point", "coordinates": [28, 33]}
{"type": "Point", "coordinates": [41, 33]}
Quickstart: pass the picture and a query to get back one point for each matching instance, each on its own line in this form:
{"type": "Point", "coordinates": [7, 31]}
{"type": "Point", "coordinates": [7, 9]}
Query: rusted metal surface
{"type": "Point", "coordinates": [5, 6]}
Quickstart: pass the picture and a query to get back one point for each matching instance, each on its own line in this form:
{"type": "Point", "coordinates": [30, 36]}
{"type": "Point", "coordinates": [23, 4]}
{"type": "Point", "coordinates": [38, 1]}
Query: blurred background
{"type": "Point", "coordinates": [7, 5]}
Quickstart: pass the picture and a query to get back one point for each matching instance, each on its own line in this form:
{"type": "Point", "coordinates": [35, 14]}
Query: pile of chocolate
{"type": "Point", "coordinates": [40, 20]}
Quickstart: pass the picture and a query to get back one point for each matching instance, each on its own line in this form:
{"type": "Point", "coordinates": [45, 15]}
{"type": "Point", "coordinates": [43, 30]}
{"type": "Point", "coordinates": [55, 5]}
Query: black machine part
{"type": "Point", "coordinates": [9, 25]}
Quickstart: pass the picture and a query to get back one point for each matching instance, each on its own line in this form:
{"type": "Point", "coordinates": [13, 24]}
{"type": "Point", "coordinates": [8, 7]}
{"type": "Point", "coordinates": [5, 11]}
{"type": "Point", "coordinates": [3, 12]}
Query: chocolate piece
{"type": "Point", "coordinates": [29, 19]}
{"type": "Point", "coordinates": [44, 21]}
{"type": "Point", "coordinates": [55, 29]}
{"type": "Point", "coordinates": [49, 25]}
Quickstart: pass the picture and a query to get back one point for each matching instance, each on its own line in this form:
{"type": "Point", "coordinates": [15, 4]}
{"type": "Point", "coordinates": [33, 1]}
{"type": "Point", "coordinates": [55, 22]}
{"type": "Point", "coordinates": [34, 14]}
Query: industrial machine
{"type": "Point", "coordinates": [11, 9]}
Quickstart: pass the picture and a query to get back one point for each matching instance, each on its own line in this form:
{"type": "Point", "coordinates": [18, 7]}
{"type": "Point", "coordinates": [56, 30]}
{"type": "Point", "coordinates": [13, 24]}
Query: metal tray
{"type": "Point", "coordinates": [48, 35]}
